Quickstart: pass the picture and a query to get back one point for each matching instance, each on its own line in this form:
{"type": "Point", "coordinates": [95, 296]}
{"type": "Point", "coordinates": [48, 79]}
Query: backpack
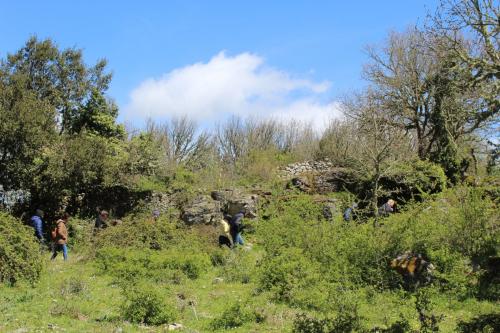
{"type": "Point", "coordinates": [348, 214]}
{"type": "Point", "coordinates": [53, 233]}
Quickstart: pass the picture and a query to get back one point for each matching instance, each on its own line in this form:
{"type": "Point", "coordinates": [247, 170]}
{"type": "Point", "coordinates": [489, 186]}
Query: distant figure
{"type": "Point", "coordinates": [37, 224]}
{"type": "Point", "coordinates": [60, 237]}
{"type": "Point", "coordinates": [226, 239]}
{"type": "Point", "coordinates": [100, 221]}
{"type": "Point", "coordinates": [349, 212]}
{"type": "Point", "coordinates": [236, 227]}
{"type": "Point", "coordinates": [156, 215]}
{"type": "Point", "coordinates": [387, 208]}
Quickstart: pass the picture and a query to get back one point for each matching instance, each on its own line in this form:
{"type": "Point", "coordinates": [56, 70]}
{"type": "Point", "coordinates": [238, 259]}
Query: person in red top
{"type": "Point", "coordinates": [60, 237]}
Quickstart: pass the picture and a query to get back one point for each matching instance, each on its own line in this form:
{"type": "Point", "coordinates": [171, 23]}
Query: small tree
{"type": "Point", "coordinates": [378, 143]}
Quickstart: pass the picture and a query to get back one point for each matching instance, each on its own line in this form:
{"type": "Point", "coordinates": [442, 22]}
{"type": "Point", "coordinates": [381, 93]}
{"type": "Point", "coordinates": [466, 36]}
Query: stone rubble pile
{"type": "Point", "coordinates": [297, 169]}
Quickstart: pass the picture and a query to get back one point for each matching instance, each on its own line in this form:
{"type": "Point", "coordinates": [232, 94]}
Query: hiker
{"type": "Point", "coordinates": [156, 215]}
{"type": "Point", "coordinates": [37, 224]}
{"type": "Point", "coordinates": [387, 208]}
{"type": "Point", "coordinates": [225, 239]}
{"type": "Point", "coordinates": [236, 227]}
{"type": "Point", "coordinates": [349, 212]}
{"type": "Point", "coordinates": [60, 237]}
{"type": "Point", "coordinates": [100, 221]}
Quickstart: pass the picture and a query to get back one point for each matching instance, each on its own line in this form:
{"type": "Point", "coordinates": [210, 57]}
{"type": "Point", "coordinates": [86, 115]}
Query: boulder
{"type": "Point", "coordinates": [202, 210]}
{"type": "Point", "coordinates": [301, 183]}
{"type": "Point", "coordinates": [162, 202]}
{"type": "Point", "coordinates": [233, 201]}
{"type": "Point", "coordinates": [333, 180]}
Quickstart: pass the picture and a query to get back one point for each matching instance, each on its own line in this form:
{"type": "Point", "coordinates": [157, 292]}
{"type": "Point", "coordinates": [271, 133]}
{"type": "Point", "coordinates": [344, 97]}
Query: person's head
{"type": "Point", "coordinates": [391, 202]}
{"type": "Point", "coordinates": [354, 205]}
{"type": "Point", "coordinates": [65, 216]}
{"type": "Point", "coordinates": [104, 215]}
{"type": "Point", "coordinates": [39, 213]}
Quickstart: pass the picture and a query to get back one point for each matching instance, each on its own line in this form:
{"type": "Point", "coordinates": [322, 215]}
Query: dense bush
{"type": "Point", "coordinates": [347, 320]}
{"type": "Point", "coordinates": [453, 232]}
{"type": "Point", "coordinates": [294, 279]}
{"type": "Point", "coordinates": [238, 266]}
{"type": "Point", "coordinates": [236, 315]}
{"type": "Point", "coordinates": [161, 266]}
{"type": "Point", "coordinates": [487, 323]}
{"type": "Point", "coordinates": [142, 233]}
{"type": "Point", "coordinates": [406, 181]}
{"type": "Point", "coordinates": [20, 257]}
{"type": "Point", "coordinates": [146, 305]}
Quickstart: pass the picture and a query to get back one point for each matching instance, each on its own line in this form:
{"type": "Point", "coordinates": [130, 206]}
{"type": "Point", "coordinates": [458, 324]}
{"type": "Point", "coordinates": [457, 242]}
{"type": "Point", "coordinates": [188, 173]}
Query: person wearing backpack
{"type": "Point", "coordinates": [60, 237]}
{"type": "Point", "coordinates": [236, 227]}
{"type": "Point", "coordinates": [226, 239]}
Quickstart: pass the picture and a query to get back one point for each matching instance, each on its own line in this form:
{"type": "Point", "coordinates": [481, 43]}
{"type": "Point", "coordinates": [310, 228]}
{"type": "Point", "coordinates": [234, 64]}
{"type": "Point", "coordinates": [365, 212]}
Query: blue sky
{"type": "Point", "coordinates": [210, 59]}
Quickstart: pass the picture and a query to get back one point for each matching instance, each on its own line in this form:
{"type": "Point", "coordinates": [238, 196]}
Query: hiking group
{"type": "Point", "coordinates": [384, 210]}
{"type": "Point", "coordinates": [58, 234]}
{"type": "Point", "coordinates": [232, 226]}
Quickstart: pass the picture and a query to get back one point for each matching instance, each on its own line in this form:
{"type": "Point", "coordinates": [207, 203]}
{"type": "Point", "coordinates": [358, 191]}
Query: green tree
{"type": "Point", "coordinates": [27, 124]}
{"type": "Point", "coordinates": [98, 116]}
{"type": "Point", "coordinates": [58, 78]}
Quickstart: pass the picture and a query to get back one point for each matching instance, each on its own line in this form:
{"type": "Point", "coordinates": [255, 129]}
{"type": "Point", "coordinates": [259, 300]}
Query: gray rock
{"type": "Point", "coordinates": [233, 201]}
{"type": "Point", "coordinates": [217, 280]}
{"type": "Point", "coordinates": [203, 210]}
{"type": "Point", "coordinates": [175, 327]}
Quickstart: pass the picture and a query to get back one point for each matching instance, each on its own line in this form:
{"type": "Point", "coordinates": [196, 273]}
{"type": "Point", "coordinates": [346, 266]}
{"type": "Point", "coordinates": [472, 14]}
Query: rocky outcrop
{"type": "Point", "coordinates": [234, 201]}
{"type": "Point", "coordinates": [206, 209]}
{"type": "Point", "coordinates": [322, 182]}
{"type": "Point", "coordinates": [202, 210]}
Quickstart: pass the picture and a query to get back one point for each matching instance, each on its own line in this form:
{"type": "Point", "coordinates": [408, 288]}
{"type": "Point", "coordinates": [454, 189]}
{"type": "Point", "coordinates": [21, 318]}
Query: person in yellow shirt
{"type": "Point", "coordinates": [225, 238]}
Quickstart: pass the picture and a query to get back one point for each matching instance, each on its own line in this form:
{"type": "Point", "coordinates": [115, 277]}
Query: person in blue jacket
{"type": "Point", "coordinates": [37, 224]}
{"type": "Point", "coordinates": [349, 212]}
{"type": "Point", "coordinates": [236, 227]}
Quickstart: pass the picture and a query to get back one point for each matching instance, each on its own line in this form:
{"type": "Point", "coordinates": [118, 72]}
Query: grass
{"type": "Point", "coordinates": [74, 297]}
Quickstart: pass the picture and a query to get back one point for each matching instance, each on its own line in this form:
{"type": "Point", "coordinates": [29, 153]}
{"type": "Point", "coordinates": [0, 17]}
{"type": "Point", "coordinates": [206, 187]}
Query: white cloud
{"type": "Point", "coordinates": [241, 85]}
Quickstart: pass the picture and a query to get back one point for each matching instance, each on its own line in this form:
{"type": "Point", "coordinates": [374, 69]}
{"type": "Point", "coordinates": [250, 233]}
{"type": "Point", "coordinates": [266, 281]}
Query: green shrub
{"type": "Point", "coordinates": [80, 233]}
{"type": "Point", "coordinates": [140, 234]}
{"type": "Point", "coordinates": [486, 323]}
{"type": "Point", "coordinates": [73, 286]}
{"type": "Point", "coordinates": [294, 279]}
{"type": "Point", "coordinates": [347, 320]}
{"type": "Point", "coordinates": [160, 266]}
{"type": "Point", "coordinates": [146, 305]}
{"type": "Point", "coordinates": [236, 315]}
{"type": "Point", "coordinates": [405, 181]}
{"type": "Point", "coordinates": [239, 267]}
{"type": "Point", "coordinates": [20, 257]}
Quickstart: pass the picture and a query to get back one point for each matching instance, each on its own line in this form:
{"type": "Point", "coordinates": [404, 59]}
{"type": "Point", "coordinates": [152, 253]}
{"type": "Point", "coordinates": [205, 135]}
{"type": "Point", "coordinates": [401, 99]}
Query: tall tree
{"type": "Point", "coordinates": [59, 78]}
{"type": "Point", "coordinates": [427, 92]}
{"type": "Point", "coordinates": [479, 20]}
